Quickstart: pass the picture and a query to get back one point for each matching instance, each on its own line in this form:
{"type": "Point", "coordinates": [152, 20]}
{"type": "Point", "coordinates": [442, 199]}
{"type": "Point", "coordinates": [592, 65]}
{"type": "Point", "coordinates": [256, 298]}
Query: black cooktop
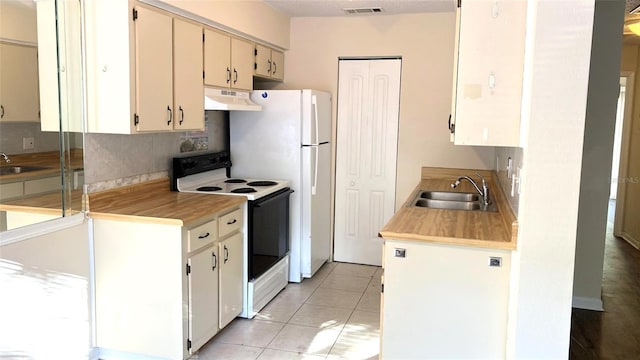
{"type": "Point", "coordinates": [262, 183]}
{"type": "Point", "coordinates": [243, 190]}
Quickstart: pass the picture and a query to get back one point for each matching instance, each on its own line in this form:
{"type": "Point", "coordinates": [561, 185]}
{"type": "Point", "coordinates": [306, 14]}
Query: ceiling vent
{"type": "Point", "coordinates": [354, 11]}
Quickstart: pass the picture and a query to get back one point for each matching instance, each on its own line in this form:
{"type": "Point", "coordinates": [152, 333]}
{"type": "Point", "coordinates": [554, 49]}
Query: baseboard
{"type": "Point", "coordinates": [587, 303]}
{"type": "Point", "coordinates": [628, 238]}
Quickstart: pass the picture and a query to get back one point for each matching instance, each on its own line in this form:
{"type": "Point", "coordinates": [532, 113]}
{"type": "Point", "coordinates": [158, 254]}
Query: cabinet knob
{"type": "Point", "coordinates": [492, 81]}
{"type": "Point", "coordinates": [352, 184]}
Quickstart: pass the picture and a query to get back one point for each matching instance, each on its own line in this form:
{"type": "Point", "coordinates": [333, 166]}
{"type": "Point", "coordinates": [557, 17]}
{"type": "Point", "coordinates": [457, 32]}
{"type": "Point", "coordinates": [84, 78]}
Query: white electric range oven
{"type": "Point", "coordinates": [267, 233]}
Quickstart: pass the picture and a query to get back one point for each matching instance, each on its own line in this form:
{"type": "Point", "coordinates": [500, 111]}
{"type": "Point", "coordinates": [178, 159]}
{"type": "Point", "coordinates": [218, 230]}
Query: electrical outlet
{"type": "Point", "coordinates": [509, 168]}
{"type": "Point", "coordinates": [519, 180]}
{"type": "Point", "coordinates": [28, 143]}
{"type": "Point", "coordinates": [498, 164]}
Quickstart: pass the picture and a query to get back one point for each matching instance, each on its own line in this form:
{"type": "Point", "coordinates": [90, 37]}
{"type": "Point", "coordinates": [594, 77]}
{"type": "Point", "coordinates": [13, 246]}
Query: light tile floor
{"type": "Point", "coordinates": [334, 315]}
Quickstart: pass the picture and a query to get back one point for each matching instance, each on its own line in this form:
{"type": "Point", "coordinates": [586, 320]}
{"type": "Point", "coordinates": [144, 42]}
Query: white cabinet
{"type": "Point", "coordinates": [231, 252]}
{"type": "Point", "coordinates": [144, 71]}
{"type": "Point", "coordinates": [29, 187]}
{"type": "Point", "coordinates": [203, 283]}
{"type": "Point", "coordinates": [228, 61]}
{"type": "Point", "coordinates": [444, 301]}
{"type": "Point", "coordinates": [488, 74]}
{"type": "Point", "coordinates": [269, 63]}
{"type": "Point", "coordinates": [19, 83]}
{"type": "Point", "coordinates": [164, 290]}
{"type": "Point", "coordinates": [59, 27]}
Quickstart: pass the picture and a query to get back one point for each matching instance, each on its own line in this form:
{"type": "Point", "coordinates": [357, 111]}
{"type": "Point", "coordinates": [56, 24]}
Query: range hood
{"type": "Point", "coordinates": [216, 99]}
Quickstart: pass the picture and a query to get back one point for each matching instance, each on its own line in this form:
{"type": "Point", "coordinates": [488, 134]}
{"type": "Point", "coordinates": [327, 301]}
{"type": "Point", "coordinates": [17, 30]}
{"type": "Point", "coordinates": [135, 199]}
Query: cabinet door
{"type": "Point", "coordinates": [231, 266]}
{"type": "Point", "coordinates": [242, 64]}
{"type": "Point", "coordinates": [203, 297]}
{"type": "Point", "coordinates": [450, 293]}
{"type": "Point", "coordinates": [217, 54]}
{"type": "Point", "coordinates": [19, 83]}
{"type": "Point", "coordinates": [188, 88]}
{"type": "Point", "coordinates": [154, 71]}
{"type": "Point", "coordinates": [277, 65]}
{"type": "Point", "coordinates": [490, 63]}
{"type": "Point", "coordinates": [263, 65]}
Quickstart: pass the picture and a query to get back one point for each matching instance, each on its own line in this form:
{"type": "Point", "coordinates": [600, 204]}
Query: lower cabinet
{"type": "Point", "coordinates": [444, 301]}
{"type": "Point", "coordinates": [164, 290]}
{"type": "Point", "coordinates": [203, 296]}
{"type": "Point", "coordinates": [230, 251]}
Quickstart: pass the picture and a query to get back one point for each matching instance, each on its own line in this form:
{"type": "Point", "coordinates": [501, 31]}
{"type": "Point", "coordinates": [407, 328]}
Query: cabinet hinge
{"type": "Point", "coordinates": [135, 14]}
{"type": "Point", "coordinates": [255, 52]}
{"type": "Point", "coordinates": [382, 288]}
{"type": "Point", "coordinates": [203, 74]}
{"type": "Point", "coordinates": [459, 3]}
{"type": "Point", "coordinates": [452, 126]}
{"type": "Point", "coordinates": [136, 119]}
{"type": "Point", "coordinates": [188, 344]}
{"type": "Point", "coordinates": [255, 66]}
{"type": "Point", "coordinates": [188, 269]}
{"type": "Point", "coordinates": [202, 37]}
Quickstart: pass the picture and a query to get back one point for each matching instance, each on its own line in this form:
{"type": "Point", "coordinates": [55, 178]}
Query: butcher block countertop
{"type": "Point", "coordinates": [50, 203]}
{"type": "Point", "coordinates": [485, 229]}
{"type": "Point", "coordinates": [154, 202]}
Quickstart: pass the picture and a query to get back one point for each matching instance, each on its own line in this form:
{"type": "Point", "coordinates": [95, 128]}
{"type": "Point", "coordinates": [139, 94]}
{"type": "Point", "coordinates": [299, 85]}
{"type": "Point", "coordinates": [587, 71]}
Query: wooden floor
{"type": "Point", "coordinates": [614, 333]}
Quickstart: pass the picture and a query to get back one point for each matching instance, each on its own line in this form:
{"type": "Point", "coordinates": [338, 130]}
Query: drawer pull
{"type": "Point", "coordinates": [226, 254]}
{"type": "Point", "coordinates": [232, 222]}
{"type": "Point", "coordinates": [204, 236]}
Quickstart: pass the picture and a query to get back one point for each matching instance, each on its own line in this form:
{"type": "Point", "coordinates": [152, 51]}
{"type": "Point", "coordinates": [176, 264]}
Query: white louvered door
{"type": "Point", "coordinates": [366, 152]}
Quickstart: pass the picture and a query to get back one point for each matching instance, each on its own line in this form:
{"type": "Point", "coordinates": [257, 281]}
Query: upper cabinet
{"type": "Point", "coordinates": [19, 82]}
{"type": "Point", "coordinates": [144, 70]}
{"type": "Point", "coordinates": [60, 65]}
{"type": "Point", "coordinates": [228, 61]}
{"type": "Point", "coordinates": [488, 76]}
{"type": "Point", "coordinates": [269, 63]}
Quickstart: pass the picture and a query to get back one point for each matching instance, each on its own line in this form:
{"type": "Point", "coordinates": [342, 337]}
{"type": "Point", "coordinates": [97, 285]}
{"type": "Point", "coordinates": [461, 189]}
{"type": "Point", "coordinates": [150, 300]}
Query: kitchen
{"type": "Point", "coordinates": [425, 104]}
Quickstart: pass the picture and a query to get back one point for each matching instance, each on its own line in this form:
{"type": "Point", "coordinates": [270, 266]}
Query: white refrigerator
{"type": "Point", "coordinates": [289, 140]}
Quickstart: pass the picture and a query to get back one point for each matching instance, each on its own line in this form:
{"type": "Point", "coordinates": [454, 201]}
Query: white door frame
{"type": "Point", "coordinates": [624, 155]}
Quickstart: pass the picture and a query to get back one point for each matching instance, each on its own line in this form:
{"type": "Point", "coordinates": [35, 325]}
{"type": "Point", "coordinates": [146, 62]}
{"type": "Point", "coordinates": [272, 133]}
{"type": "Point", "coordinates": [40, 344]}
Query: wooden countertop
{"type": "Point", "coordinates": [154, 202]}
{"type": "Point", "coordinates": [496, 230]}
{"type": "Point", "coordinates": [50, 203]}
{"type": "Point", "coordinates": [49, 160]}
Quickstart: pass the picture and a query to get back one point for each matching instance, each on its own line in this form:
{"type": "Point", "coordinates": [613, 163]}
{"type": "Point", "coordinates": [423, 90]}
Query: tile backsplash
{"type": "Point", "coordinates": [11, 135]}
{"type": "Point", "coordinates": [510, 180]}
{"type": "Point", "coordinates": [113, 160]}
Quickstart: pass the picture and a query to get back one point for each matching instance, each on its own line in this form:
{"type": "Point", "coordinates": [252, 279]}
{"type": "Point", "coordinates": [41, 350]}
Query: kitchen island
{"type": "Point", "coordinates": [446, 272]}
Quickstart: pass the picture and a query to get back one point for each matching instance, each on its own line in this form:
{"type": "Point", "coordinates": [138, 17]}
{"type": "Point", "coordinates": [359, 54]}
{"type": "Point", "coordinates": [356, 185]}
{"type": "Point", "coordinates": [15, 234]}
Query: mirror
{"type": "Point", "coordinates": [41, 111]}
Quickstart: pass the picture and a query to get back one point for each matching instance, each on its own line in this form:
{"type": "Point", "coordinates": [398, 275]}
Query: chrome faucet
{"type": "Point", "coordinates": [485, 188]}
{"type": "Point", "coordinates": [5, 157]}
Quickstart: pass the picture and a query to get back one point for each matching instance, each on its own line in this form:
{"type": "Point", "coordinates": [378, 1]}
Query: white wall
{"type": "Point", "coordinates": [45, 286]}
{"type": "Point", "coordinates": [425, 42]}
{"type": "Point", "coordinates": [557, 75]}
{"type": "Point", "coordinates": [254, 19]}
{"type": "Point", "coordinates": [18, 21]}
{"type": "Point", "coordinates": [595, 182]}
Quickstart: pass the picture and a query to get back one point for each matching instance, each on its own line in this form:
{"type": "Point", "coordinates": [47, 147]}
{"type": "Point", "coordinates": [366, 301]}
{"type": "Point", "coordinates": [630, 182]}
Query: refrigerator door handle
{"type": "Point", "coordinates": [315, 172]}
{"type": "Point", "coordinates": [314, 102]}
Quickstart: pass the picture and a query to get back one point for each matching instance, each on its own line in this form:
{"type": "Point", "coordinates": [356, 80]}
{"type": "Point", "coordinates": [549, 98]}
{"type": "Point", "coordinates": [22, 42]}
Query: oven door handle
{"type": "Point", "coordinates": [258, 203]}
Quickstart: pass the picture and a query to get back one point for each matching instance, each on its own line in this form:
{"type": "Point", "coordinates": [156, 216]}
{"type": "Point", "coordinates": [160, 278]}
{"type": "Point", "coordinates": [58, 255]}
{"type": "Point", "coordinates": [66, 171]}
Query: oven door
{"type": "Point", "coordinates": [268, 231]}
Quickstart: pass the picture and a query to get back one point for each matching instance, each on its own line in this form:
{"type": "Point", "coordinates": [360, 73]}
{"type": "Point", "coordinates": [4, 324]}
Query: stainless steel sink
{"type": "Point", "coordinates": [449, 196]}
{"type": "Point", "coordinates": [450, 200]}
{"type": "Point", "coordinates": [7, 170]}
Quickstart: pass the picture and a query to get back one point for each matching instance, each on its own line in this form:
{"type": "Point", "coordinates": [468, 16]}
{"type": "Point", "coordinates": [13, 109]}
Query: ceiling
{"type": "Point", "coordinates": [312, 8]}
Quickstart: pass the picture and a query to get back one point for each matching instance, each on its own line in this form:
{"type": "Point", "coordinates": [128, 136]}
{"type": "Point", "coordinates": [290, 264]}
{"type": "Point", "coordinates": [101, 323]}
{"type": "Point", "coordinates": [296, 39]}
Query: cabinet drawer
{"type": "Point", "coordinates": [40, 186]}
{"type": "Point", "coordinates": [202, 235]}
{"type": "Point", "coordinates": [230, 222]}
{"type": "Point", "coordinates": [10, 190]}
